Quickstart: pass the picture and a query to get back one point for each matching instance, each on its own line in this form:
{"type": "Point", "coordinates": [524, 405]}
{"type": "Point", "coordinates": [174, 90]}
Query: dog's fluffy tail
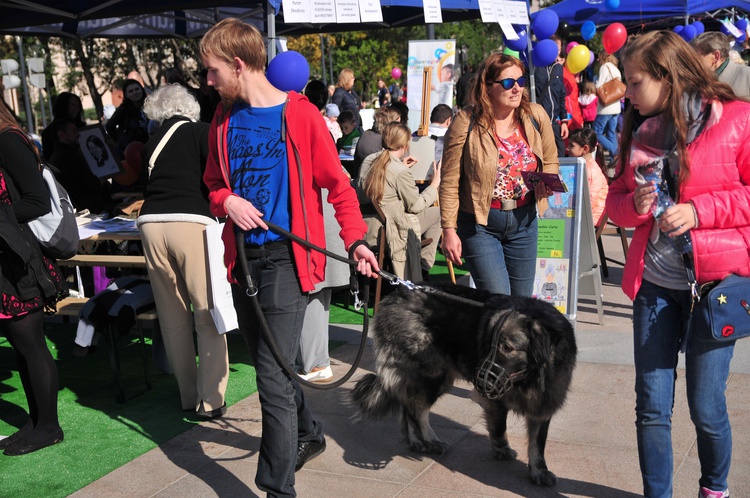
{"type": "Point", "coordinates": [372, 399]}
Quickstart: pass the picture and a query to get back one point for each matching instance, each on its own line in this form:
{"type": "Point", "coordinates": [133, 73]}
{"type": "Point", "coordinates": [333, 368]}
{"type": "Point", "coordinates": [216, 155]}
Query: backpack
{"type": "Point", "coordinates": [56, 231]}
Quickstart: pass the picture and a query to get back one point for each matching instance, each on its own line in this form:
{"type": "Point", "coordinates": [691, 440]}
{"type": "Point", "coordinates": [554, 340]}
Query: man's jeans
{"type": "Point", "coordinates": [659, 317]}
{"type": "Point", "coordinates": [502, 255]}
{"type": "Point", "coordinates": [286, 418]}
{"type": "Point", "coordinates": [605, 127]}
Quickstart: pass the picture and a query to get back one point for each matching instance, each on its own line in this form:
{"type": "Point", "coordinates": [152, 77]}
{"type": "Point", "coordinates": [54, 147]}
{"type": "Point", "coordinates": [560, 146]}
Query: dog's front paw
{"type": "Point", "coordinates": [430, 447]}
{"type": "Point", "coordinates": [505, 453]}
{"type": "Point", "coordinates": [542, 477]}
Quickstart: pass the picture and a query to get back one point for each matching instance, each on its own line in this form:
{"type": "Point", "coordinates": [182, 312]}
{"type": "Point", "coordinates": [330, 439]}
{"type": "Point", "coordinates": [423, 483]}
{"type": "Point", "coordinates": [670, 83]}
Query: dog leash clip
{"type": "Point", "coordinates": [354, 290]}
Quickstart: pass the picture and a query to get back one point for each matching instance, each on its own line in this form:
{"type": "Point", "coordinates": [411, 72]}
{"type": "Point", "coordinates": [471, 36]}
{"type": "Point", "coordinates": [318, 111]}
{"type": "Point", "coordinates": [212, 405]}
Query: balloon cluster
{"type": "Point", "coordinates": [689, 31]}
{"type": "Point", "coordinates": [544, 52]}
{"type": "Point", "coordinates": [741, 26]}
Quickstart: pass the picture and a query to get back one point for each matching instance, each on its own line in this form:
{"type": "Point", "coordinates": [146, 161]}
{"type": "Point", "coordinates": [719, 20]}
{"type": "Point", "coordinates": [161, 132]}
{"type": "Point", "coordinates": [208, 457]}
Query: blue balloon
{"type": "Point", "coordinates": [741, 38]}
{"type": "Point", "coordinates": [523, 40]}
{"type": "Point", "coordinates": [288, 71]}
{"type": "Point", "coordinates": [678, 29]}
{"type": "Point", "coordinates": [588, 30]}
{"type": "Point", "coordinates": [544, 53]}
{"type": "Point", "coordinates": [545, 24]}
{"type": "Point", "coordinates": [611, 4]}
{"type": "Point", "coordinates": [741, 25]}
{"type": "Point", "coordinates": [688, 33]}
{"type": "Point", "coordinates": [699, 28]}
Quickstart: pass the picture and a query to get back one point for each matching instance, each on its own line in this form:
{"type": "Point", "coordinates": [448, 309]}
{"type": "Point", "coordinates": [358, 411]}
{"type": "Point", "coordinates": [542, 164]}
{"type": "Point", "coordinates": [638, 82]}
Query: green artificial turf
{"type": "Point", "coordinates": [100, 434]}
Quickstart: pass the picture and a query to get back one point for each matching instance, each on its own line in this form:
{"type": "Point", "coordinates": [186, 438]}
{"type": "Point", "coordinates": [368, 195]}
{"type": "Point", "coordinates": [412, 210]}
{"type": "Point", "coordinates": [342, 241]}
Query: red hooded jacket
{"type": "Point", "coordinates": [313, 164]}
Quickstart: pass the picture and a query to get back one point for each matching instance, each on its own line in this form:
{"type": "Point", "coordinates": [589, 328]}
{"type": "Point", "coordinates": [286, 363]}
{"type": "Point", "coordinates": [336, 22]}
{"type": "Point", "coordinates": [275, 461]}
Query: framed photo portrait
{"type": "Point", "coordinates": [102, 161]}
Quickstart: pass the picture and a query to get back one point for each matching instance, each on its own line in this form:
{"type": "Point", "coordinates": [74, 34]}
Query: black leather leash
{"type": "Point", "coordinates": [252, 292]}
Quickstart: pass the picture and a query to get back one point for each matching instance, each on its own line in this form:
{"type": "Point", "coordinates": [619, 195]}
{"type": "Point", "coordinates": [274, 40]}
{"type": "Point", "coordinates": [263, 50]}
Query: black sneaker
{"type": "Point", "coordinates": [308, 450]}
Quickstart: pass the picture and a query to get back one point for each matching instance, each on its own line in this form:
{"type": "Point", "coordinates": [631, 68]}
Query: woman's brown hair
{"type": "Point", "coordinates": [479, 97]}
{"type": "Point", "coordinates": [7, 120]}
{"type": "Point", "coordinates": [665, 56]}
{"type": "Point", "coordinates": [395, 136]}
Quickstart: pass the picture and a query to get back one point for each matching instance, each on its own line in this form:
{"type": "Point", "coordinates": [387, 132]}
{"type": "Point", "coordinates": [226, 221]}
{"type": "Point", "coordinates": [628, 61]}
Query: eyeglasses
{"type": "Point", "coordinates": [508, 83]}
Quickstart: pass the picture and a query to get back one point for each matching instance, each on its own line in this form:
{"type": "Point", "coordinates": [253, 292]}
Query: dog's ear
{"type": "Point", "coordinates": [540, 346]}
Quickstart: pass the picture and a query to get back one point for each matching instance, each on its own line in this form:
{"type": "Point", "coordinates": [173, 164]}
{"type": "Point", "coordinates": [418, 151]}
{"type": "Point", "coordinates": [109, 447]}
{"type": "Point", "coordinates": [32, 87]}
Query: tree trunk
{"type": "Point", "coordinates": [89, 75]}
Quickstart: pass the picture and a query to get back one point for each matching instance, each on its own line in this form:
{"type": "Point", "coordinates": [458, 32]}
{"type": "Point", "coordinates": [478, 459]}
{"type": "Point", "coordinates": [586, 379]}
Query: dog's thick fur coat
{"type": "Point", "coordinates": [423, 341]}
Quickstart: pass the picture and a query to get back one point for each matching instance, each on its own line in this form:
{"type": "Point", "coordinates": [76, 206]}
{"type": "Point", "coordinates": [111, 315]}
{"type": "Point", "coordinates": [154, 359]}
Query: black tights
{"type": "Point", "coordinates": [36, 367]}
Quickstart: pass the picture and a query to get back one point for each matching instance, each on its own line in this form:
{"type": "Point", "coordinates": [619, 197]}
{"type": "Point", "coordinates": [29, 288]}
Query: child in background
{"type": "Point", "coordinates": [348, 123]}
{"type": "Point", "coordinates": [582, 143]}
{"type": "Point", "coordinates": [588, 101]}
{"type": "Point", "coordinates": [331, 116]}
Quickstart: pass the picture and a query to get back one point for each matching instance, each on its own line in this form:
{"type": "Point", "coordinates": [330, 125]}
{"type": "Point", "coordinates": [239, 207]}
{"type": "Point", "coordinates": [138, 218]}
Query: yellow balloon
{"type": "Point", "coordinates": [578, 59]}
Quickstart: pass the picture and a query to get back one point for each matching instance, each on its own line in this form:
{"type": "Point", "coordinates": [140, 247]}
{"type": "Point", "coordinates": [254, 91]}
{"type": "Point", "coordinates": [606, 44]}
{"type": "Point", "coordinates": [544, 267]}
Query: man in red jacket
{"type": "Point", "coordinates": [270, 153]}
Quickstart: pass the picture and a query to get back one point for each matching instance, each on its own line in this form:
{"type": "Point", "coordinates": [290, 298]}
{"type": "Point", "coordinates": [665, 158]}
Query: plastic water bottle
{"type": "Point", "coordinates": [682, 243]}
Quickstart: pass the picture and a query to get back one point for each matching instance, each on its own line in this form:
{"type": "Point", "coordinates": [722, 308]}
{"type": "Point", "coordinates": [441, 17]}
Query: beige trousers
{"type": "Point", "coordinates": [176, 261]}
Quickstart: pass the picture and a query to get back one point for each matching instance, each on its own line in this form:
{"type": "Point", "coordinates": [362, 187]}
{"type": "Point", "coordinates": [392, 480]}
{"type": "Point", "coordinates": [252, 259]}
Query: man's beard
{"type": "Point", "coordinates": [230, 92]}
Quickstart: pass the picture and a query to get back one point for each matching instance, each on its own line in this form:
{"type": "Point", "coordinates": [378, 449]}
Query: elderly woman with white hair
{"type": "Point", "coordinates": [172, 220]}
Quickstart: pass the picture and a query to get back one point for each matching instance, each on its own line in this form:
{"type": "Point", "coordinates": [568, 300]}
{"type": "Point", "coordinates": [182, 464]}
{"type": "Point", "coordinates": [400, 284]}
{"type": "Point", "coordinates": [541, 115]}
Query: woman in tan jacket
{"type": "Point", "coordinates": [389, 184]}
{"type": "Point", "coordinates": [488, 214]}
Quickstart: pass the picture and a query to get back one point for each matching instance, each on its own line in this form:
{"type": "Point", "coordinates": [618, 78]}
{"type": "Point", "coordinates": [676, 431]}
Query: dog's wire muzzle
{"type": "Point", "coordinates": [491, 380]}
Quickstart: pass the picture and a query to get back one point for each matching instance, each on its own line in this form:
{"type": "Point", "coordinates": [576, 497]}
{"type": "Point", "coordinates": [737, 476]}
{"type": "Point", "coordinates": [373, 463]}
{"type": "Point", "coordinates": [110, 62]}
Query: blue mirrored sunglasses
{"type": "Point", "coordinates": [508, 83]}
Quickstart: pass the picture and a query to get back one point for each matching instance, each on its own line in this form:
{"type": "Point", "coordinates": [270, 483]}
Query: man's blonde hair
{"type": "Point", "coordinates": [232, 38]}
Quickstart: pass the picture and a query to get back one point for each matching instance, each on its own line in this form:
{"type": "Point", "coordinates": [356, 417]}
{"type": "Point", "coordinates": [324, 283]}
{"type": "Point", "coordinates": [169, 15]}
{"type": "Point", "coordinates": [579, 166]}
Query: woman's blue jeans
{"type": "Point", "coordinates": [501, 256]}
{"type": "Point", "coordinates": [605, 127]}
{"type": "Point", "coordinates": [286, 418]}
{"type": "Point", "coordinates": [659, 317]}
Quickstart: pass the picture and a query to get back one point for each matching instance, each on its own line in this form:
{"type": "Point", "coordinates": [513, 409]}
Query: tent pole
{"type": "Point", "coordinates": [26, 101]}
{"type": "Point", "coordinates": [323, 59]}
{"type": "Point", "coordinates": [271, 30]}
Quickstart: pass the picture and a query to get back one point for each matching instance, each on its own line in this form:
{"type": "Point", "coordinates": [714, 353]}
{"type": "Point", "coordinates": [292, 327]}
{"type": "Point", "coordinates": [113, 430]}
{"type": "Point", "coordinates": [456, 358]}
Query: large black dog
{"type": "Point", "coordinates": [518, 352]}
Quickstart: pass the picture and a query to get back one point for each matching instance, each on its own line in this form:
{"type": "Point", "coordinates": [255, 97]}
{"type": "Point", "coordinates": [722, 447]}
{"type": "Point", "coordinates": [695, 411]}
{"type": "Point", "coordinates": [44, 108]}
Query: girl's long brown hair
{"type": "Point", "coordinates": [395, 136]}
{"type": "Point", "coordinates": [479, 97]}
{"type": "Point", "coordinates": [665, 56]}
{"type": "Point", "coordinates": [7, 120]}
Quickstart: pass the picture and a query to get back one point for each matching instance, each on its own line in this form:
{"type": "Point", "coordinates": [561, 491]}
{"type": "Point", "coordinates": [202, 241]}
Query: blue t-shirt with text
{"type": "Point", "coordinates": [258, 166]}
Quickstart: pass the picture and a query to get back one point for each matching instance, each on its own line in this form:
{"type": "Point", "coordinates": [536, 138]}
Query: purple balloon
{"type": "Point", "coordinates": [545, 24]}
{"type": "Point", "coordinates": [523, 40]}
{"type": "Point", "coordinates": [288, 71]}
{"type": "Point", "coordinates": [699, 28]}
{"type": "Point", "coordinates": [588, 30]}
{"type": "Point", "coordinates": [688, 33]}
{"type": "Point", "coordinates": [591, 57]}
{"type": "Point", "coordinates": [544, 53]}
{"type": "Point", "coordinates": [611, 4]}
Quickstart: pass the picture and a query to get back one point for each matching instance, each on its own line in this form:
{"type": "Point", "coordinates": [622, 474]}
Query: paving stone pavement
{"type": "Point", "coordinates": [591, 445]}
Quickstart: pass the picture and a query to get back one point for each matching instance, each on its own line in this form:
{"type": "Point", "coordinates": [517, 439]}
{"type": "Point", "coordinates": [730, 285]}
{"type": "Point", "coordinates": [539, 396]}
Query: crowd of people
{"type": "Point", "coordinates": [197, 166]}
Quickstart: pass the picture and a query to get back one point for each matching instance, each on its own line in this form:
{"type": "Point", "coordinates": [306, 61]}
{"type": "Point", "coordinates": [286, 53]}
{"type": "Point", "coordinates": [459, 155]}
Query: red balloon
{"type": "Point", "coordinates": [614, 37]}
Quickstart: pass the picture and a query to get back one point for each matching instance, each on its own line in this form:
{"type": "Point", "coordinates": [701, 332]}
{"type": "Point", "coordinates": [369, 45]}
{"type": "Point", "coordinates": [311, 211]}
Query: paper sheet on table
{"type": "Point", "coordinates": [116, 225]}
